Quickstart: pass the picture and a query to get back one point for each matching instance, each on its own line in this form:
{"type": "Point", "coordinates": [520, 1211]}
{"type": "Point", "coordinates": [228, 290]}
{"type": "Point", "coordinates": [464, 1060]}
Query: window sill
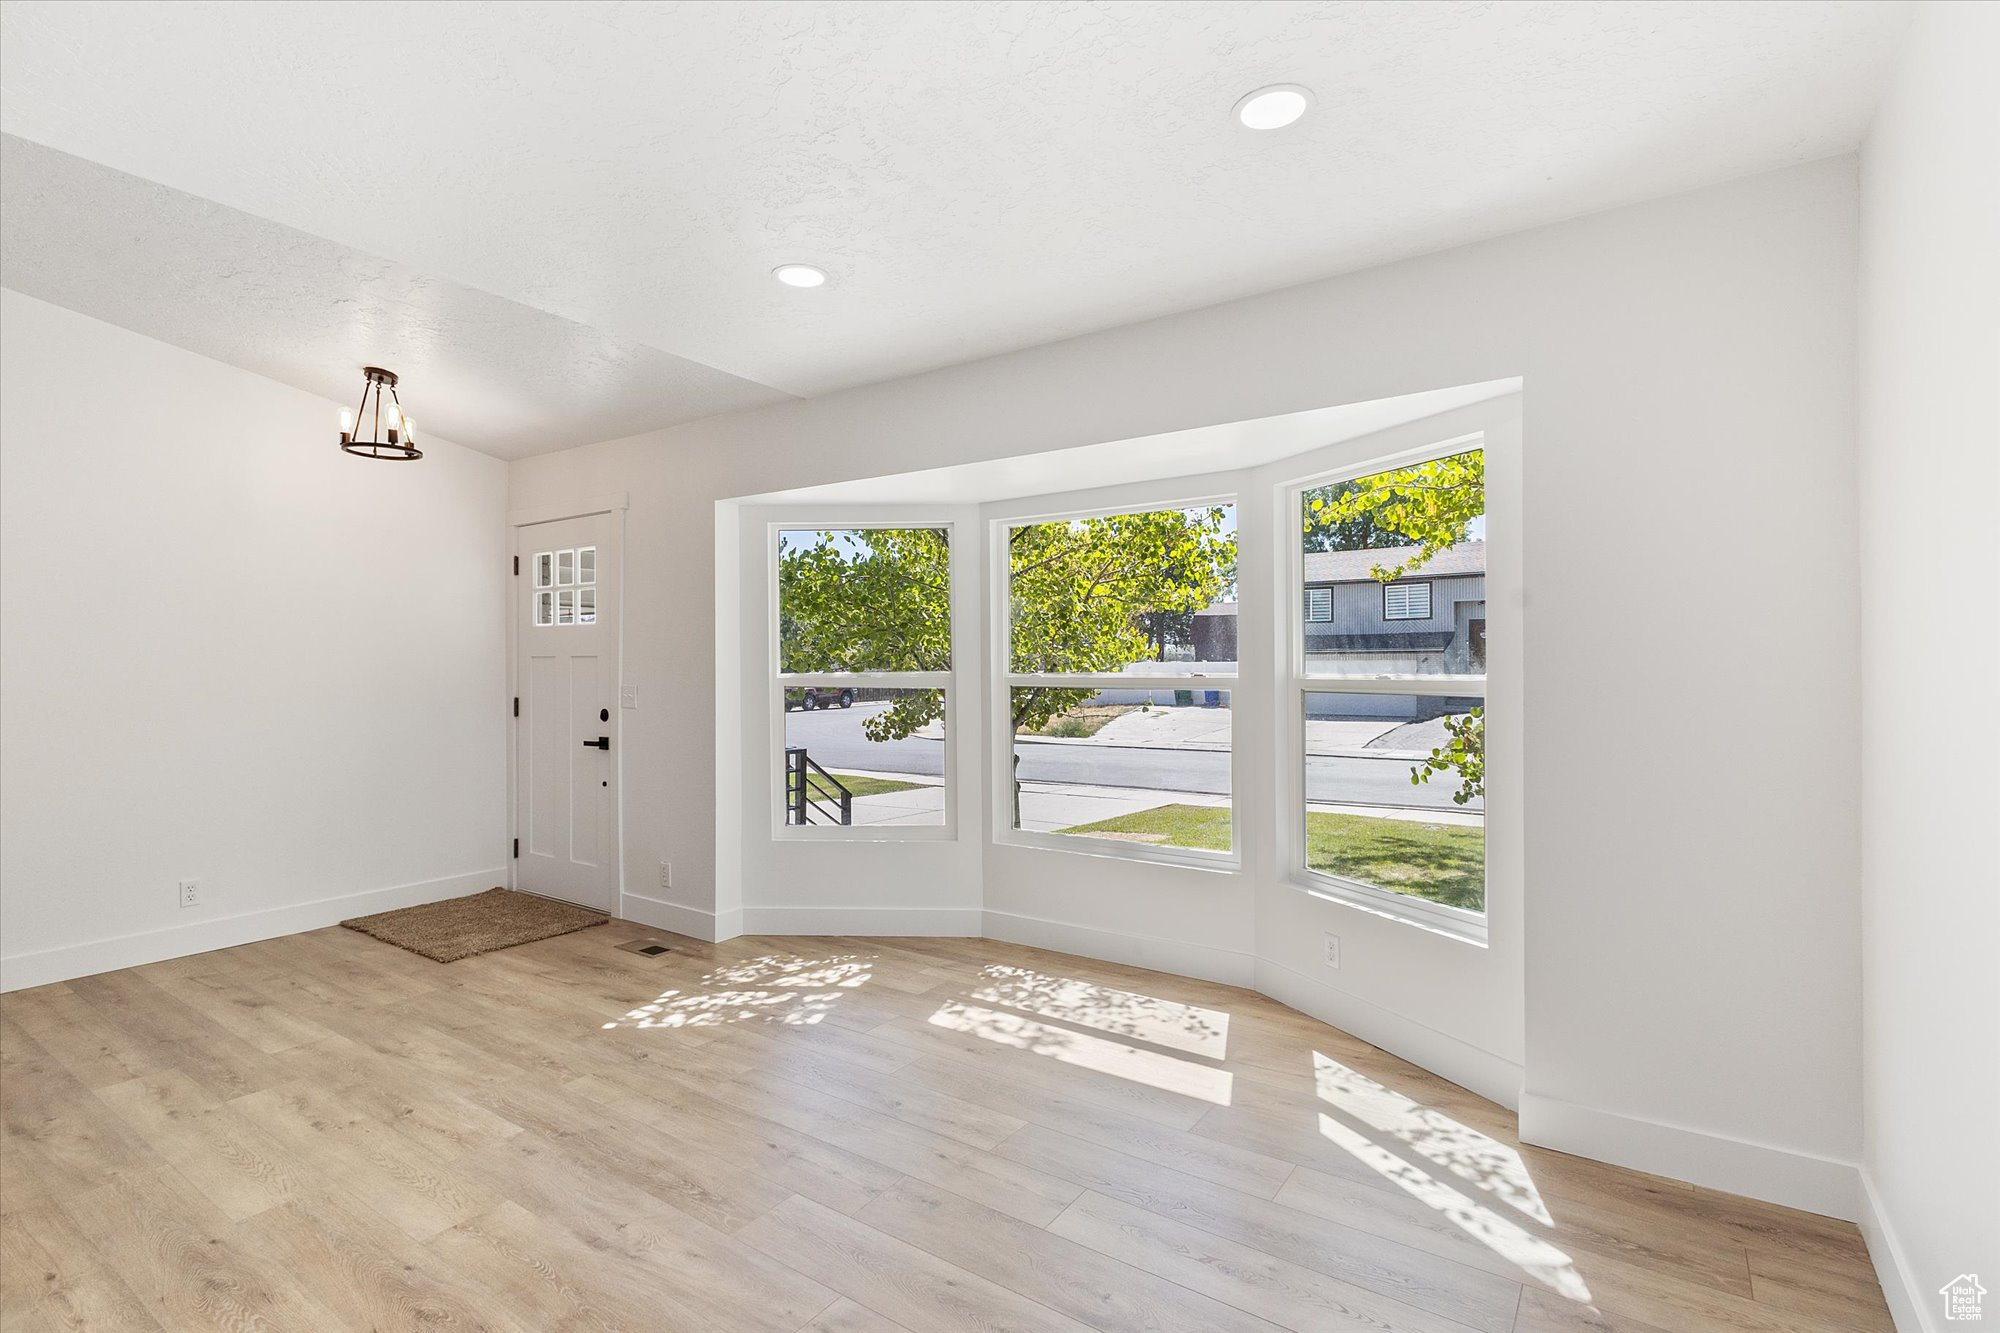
{"type": "Point", "coordinates": [1460, 927]}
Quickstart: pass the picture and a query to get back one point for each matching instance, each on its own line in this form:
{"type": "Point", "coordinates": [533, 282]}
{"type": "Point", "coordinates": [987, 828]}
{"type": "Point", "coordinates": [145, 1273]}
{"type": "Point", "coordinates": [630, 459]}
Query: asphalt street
{"type": "Point", "coordinates": [834, 740]}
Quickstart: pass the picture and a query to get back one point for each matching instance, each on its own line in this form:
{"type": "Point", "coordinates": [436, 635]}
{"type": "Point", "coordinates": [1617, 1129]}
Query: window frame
{"type": "Point", "coordinates": [780, 683]}
{"type": "Point", "coordinates": [1310, 589]}
{"type": "Point", "coordinates": [1005, 680]}
{"type": "Point", "coordinates": [1298, 683]}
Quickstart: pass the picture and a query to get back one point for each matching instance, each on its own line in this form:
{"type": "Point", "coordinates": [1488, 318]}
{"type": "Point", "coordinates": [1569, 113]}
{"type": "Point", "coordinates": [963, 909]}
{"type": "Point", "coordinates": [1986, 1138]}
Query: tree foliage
{"type": "Point", "coordinates": [873, 601]}
{"type": "Point", "coordinates": [1464, 753]}
{"type": "Point", "coordinates": [1089, 595]}
{"type": "Point", "coordinates": [1429, 506]}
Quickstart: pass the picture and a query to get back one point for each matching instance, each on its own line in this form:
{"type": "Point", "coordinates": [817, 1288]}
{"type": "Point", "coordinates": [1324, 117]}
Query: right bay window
{"type": "Point", "coordinates": [1389, 683]}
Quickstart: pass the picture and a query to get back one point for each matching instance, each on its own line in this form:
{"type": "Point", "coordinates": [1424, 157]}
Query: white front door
{"type": "Point", "coordinates": [566, 766]}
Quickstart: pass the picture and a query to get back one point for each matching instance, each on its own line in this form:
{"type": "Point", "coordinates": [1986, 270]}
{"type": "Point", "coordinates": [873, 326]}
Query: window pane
{"type": "Point", "coordinates": [545, 608]}
{"type": "Point", "coordinates": [565, 606]}
{"type": "Point", "coordinates": [1395, 571]}
{"type": "Point", "coordinates": [586, 606]}
{"type": "Point", "coordinates": [1100, 595]}
{"type": "Point", "coordinates": [545, 569]}
{"type": "Point", "coordinates": [863, 756]}
{"type": "Point", "coordinates": [586, 564]}
{"type": "Point", "coordinates": [1367, 821]}
{"type": "Point", "coordinates": [565, 568]}
{"type": "Point", "coordinates": [873, 599]}
{"type": "Point", "coordinates": [1134, 766]}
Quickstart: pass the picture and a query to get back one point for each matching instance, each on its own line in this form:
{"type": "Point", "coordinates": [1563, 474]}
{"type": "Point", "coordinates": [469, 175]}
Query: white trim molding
{"type": "Point", "coordinates": [108, 955]}
{"type": "Point", "coordinates": [1911, 1303]}
{"type": "Point", "coordinates": [694, 922]}
{"type": "Point", "coordinates": [1714, 1161]}
{"type": "Point", "coordinates": [602, 504]}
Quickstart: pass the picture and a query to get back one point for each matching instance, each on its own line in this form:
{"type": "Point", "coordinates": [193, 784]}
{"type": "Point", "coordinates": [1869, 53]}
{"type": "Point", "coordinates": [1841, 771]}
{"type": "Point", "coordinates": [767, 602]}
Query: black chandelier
{"type": "Point", "coordinates": [384, 417]}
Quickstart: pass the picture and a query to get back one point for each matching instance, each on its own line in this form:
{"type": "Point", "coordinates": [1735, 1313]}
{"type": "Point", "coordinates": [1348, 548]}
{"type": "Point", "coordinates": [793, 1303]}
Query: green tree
{"type": "Point", "coordinates": [1429, 506]}
{"type": "Point", "coordinates": [1087, 595]}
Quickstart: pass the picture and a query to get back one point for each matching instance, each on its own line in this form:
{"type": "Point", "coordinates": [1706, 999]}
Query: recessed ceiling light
{"type": "Point", "coordinates": [799, 275]}
{"type": "Point", "coordinates": [1274, 107]}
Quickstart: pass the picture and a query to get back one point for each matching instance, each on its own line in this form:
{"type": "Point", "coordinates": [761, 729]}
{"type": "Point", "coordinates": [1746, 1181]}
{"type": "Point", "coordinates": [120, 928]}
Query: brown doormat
{"type": "Point", "coordinates": [477, 923]}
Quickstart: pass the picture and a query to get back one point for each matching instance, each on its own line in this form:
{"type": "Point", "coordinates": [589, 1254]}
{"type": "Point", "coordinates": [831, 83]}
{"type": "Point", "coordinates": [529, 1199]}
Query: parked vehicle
{"type": "Point", "coordinates": [813, 696]}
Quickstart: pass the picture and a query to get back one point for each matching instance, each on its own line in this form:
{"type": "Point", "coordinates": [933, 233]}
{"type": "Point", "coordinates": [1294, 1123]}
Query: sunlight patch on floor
{"type": "Point", "coordinates": [1533, 1255]}
{"type": "Point", "coordinates": [1155, 1069]}
{"type": "Point", "coordinates": [1147, 1018]}
{"type": "Point", "coordinates": [794, 991]}
{"type": "Point", "coordinates": [1465, 1152]}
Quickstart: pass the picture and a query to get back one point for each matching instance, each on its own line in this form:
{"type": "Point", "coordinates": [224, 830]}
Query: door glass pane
{"type": "Point", "coordinates": [1098, 595]}
{"type": "Point", "coordinates": [545, 569]}
{"type": "Point", "coordinates": [1150, 767]}
{"type": "Point", "coordinates": [565, 568]}
{"type": "Point", "coordinates": [1394, 571]}
{"type": "Point", "coordinates": [861, 756]}
{"type": "Point", "coordinates": [586, 564]}
{"type": "Point", "coordinates": [545, 608]}
{"type": "Point", "coordinates": [1368, 821]}
{"type": "Point", "coordinates": [864, 599]}
{"type": "Point", "coordinates": [586, 606]}
{"type": "Point", "coordinates": [565, 606]}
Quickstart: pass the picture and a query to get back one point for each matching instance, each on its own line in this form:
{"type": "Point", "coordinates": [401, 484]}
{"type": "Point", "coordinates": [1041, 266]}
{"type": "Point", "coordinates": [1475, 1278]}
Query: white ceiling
{"type": "Point", "coordinates": [976, 177]}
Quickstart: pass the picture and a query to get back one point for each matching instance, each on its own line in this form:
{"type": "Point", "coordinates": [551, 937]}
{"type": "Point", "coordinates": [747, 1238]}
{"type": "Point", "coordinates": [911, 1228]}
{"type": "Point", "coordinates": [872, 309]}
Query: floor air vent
{"type": "Point", "coordinates": [650, 948]}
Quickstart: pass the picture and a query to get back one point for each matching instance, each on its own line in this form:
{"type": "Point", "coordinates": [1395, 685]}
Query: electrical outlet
{"type": "Point", "coordinates": [628, 696]}
{"type": "Point", "coordinates": [190, 893]}
{"type": "Point", "coordinates": [666, 874]}
{"type": "Point", "coordinates": [1333, 951]}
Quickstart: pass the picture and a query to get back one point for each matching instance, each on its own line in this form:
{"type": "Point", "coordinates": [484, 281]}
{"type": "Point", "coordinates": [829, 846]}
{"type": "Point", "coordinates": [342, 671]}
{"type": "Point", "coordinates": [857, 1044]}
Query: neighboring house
{"type": "Point", "coordinates": [1430, 621]}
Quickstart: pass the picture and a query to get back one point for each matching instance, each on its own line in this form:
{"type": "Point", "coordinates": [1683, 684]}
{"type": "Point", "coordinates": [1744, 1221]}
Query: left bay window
{"type": "Point", "coordinates": [862, 683]}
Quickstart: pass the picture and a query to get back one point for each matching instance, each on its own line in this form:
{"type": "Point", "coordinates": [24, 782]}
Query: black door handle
{"type": "Point", "coordinates": [601, 743]}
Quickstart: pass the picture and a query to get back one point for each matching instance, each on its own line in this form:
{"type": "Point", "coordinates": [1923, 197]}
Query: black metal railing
{"type": "Point", "coordinates": [813, 795]}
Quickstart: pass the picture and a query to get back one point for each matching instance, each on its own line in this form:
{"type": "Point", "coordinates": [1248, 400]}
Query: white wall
{"type": "Point", "coordinates": [231, 653]}
{"type": "Point", "coordinates": [1930, 634]}
{"type": "Point", "coordinates": [1691, 992]}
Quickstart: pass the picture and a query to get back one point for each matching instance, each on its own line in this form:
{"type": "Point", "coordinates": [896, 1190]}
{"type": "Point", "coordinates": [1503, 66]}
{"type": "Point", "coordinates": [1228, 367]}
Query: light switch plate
{"type": "Point", "coordinates": [628, 696]}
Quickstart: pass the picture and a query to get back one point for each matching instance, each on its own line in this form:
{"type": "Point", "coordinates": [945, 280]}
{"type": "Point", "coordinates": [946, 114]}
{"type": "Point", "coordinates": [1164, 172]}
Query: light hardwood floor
{"type": "Point", "coordinates": [838, 1135]}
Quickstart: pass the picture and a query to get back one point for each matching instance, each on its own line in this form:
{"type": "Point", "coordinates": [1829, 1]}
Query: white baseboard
{"type": "Point", "coordinates": [82, 960]}
{"type": "Point", "coordinates": [1230, 967]}
{"type": "Point", "coordinates": [863, 921]}
{"type": "Point", "coordinates": [1758, 1170]}
{"type": "Point", "coordinates": [693, 922]}
{"type": "Point", "coordinates": [1911, 1304]}
{"type": "Point", "coordinates": [1469, 1066]}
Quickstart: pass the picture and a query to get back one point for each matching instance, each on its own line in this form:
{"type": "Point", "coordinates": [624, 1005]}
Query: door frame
{"type": "Point", "coordinates": [616, 506]}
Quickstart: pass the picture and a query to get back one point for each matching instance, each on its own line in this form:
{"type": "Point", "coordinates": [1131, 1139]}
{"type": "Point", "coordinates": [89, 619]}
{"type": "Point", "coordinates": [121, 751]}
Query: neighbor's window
{"type": "Point", "coordinates": [1406, 601]}
{"type": "Point", "coordinates": [863, 674]}
{"type": "Point", "coordinates": [1119, 656]}
{"type": "Point", "coordinates": [1390, 685]}
{"type": "Point", "coordinates": [566, 586]}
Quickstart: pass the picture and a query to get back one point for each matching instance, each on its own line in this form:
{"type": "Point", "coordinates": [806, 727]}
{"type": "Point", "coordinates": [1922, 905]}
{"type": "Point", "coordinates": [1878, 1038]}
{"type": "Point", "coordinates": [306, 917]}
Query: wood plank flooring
{"type": "Point", "coordinates": [781, 1135]}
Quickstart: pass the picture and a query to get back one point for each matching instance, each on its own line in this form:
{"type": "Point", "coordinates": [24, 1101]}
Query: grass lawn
{"type": "Point", "coordinates": [1445, 863]}
{"type": "Point", "coordinates": [861, 786]}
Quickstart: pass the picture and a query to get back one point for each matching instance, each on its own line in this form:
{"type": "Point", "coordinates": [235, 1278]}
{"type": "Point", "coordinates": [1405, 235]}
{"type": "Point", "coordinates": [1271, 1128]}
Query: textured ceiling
{"type": "Point", "coordinates": [477, 369]}
{"type": "Point", "coordinates": [976, 177]}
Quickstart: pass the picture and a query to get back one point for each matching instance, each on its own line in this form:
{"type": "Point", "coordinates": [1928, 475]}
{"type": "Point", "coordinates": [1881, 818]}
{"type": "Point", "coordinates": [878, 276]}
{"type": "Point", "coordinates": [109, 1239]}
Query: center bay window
{"type": "Point", "coordinates": [1118, 658]}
